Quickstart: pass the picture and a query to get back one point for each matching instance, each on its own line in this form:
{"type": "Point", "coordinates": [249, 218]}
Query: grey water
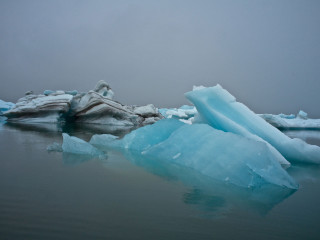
{"type": "Point", "coordinates": [51, 195]}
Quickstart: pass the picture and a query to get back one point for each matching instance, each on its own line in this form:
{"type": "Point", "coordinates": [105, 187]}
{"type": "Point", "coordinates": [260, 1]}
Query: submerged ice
{"type": "Point", "coordinates": [214, 153]}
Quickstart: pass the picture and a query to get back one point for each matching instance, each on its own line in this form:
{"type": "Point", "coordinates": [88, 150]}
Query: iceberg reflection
{"type": "Point", "coordinates": [214, 198]}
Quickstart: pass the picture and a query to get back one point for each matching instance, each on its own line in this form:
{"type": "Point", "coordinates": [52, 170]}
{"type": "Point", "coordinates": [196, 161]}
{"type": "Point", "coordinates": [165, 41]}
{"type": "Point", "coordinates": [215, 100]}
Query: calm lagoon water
{"type": "Point", "coordinates": [50, 195]}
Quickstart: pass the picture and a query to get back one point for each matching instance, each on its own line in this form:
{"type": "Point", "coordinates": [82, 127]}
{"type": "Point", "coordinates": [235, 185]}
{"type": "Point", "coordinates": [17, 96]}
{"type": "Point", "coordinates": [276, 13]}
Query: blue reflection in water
{"type": "Point", "coordinates": [213, 197]}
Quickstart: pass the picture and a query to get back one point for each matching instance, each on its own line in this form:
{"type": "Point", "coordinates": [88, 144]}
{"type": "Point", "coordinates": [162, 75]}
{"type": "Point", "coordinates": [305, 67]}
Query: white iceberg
{"type": "Point", "coordinates": [283, 121]}
{"type": "Point", "coordinates": [40, 108]}
{"type": "Point", "coordinates": [95, 107]}
{"type": "Point", "coordinates": [184, 113]}
{"type": "Point", "coordinates": [104, 89]}
{"type": "Point", "coordinates": [222, 156]}
{"type": "Point", "coordinates": [218, 108]}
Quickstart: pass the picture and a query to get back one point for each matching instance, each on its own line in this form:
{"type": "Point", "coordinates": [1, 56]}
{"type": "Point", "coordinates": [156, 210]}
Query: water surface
{"type": "Point", "coordinates": [50, 195]}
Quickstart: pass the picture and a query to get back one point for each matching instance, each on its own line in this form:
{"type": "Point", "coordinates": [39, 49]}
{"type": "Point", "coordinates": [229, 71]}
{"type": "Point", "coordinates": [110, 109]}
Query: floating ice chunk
{"type": "Point", "coordinates": [145, 137]}
{"type": "Point", "coordinates": [47, 92]}
{"type": "Point", "coordinates": [104, 89]}
{"type": "Point", "coordinates": [78, 146]}
{"type": "Point", "coordinates": [5, 106]}
{"type": "Point", "coordinates": [95, 108]}
{"type": "Point", "coordinates": [281, 122]}
{"type": "Point", "coordinates": [178, 113]}
{"type": "Point", "coordinates": [219, 108]}
{"type": "Point", "coordinates": [216, 154]}
{"type": "Point", "coordinates": [195, 88]}
{"type": "Point", "coordinates": [302, 115]}
{"type": "Point", "coordinates": [146, 111]}
{"type": "Point", "coordinates": [102, 139]}
{"type": "Point", "coordinates": [150, 120]}
{"type": "Point", "coordinates": [291, 116]}
{"type": "Point", "coordinates": [58, 92]}
{"type": "Point", "coordinates": [184, 112]}
{"type": "Point", "coordinates": [163, 111]}
{"type": "Point", "coordinates": [73, 92]}
{"type": "Point", "coordinates": [40, 108]}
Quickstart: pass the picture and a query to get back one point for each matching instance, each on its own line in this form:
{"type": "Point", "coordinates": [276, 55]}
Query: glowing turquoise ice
{"type": "Point", "coordinates": [214, 153]}
{"type": "Point", "coordinates": [218, 108]}
{"type": "Point", "coordinates": [78, 146]}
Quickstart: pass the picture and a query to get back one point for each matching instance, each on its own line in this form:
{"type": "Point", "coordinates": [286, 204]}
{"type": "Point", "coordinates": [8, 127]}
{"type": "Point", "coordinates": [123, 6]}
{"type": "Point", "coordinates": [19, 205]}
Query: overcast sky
{"type": "Point", "coordinates": [266, 53]}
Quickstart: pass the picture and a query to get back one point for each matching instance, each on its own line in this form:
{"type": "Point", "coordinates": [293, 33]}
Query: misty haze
{"type": "Point", "coordinates": [145, 119]}
{"type": "Point", "coordinates": [265, 52]}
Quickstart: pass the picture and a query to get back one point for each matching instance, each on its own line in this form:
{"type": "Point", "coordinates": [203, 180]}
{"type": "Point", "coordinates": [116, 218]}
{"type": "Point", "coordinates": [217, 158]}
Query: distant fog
{"type": "Point", "coordinates": [266, 53]}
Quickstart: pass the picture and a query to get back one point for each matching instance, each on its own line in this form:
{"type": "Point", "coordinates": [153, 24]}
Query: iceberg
{"type": "Point", "coordinates": [218, 108]}
{"type": "Point", "coordinates": [283, 121]}
{"type": "Point", "coordinates": [303, 114]}
{"type": "Point", "coordinates": [143, 138]}
{"type": "Point", "coordinates": [104, 89]}
{"type": "Point", "coordinates": [5, 106]}
{"type": "Point", "coordinates": [95, 106]}
{"type": "Point", "coordinates": [185, 112]}
{"type": "Point", "coordinates": [101, 139]}
{"type": "Point", "coordinates": [48, 92]}
{"type": "Point", "coordinates": [40, 108]}
{"type": "Point", "coordinates": [78, 146]}
{"type": "Point", "coordinates": [216, 154]}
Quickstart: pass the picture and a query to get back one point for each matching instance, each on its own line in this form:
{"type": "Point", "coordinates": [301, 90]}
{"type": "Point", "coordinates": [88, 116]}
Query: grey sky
{"type": "Point", "coordinates": [266, 53]}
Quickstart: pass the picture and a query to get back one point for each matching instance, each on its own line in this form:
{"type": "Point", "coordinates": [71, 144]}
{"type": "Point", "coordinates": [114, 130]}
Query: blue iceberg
{"type": "Point", "coordinates": [226, 142]}
{"type": "Point", "coordinates": [218, 108]}
{"type": "Point", "coordinates": [5, 106]}
{"type": "Point", "coordinates": [216, 154]}
{"type": "Point", "coordinates": [78, 146]}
